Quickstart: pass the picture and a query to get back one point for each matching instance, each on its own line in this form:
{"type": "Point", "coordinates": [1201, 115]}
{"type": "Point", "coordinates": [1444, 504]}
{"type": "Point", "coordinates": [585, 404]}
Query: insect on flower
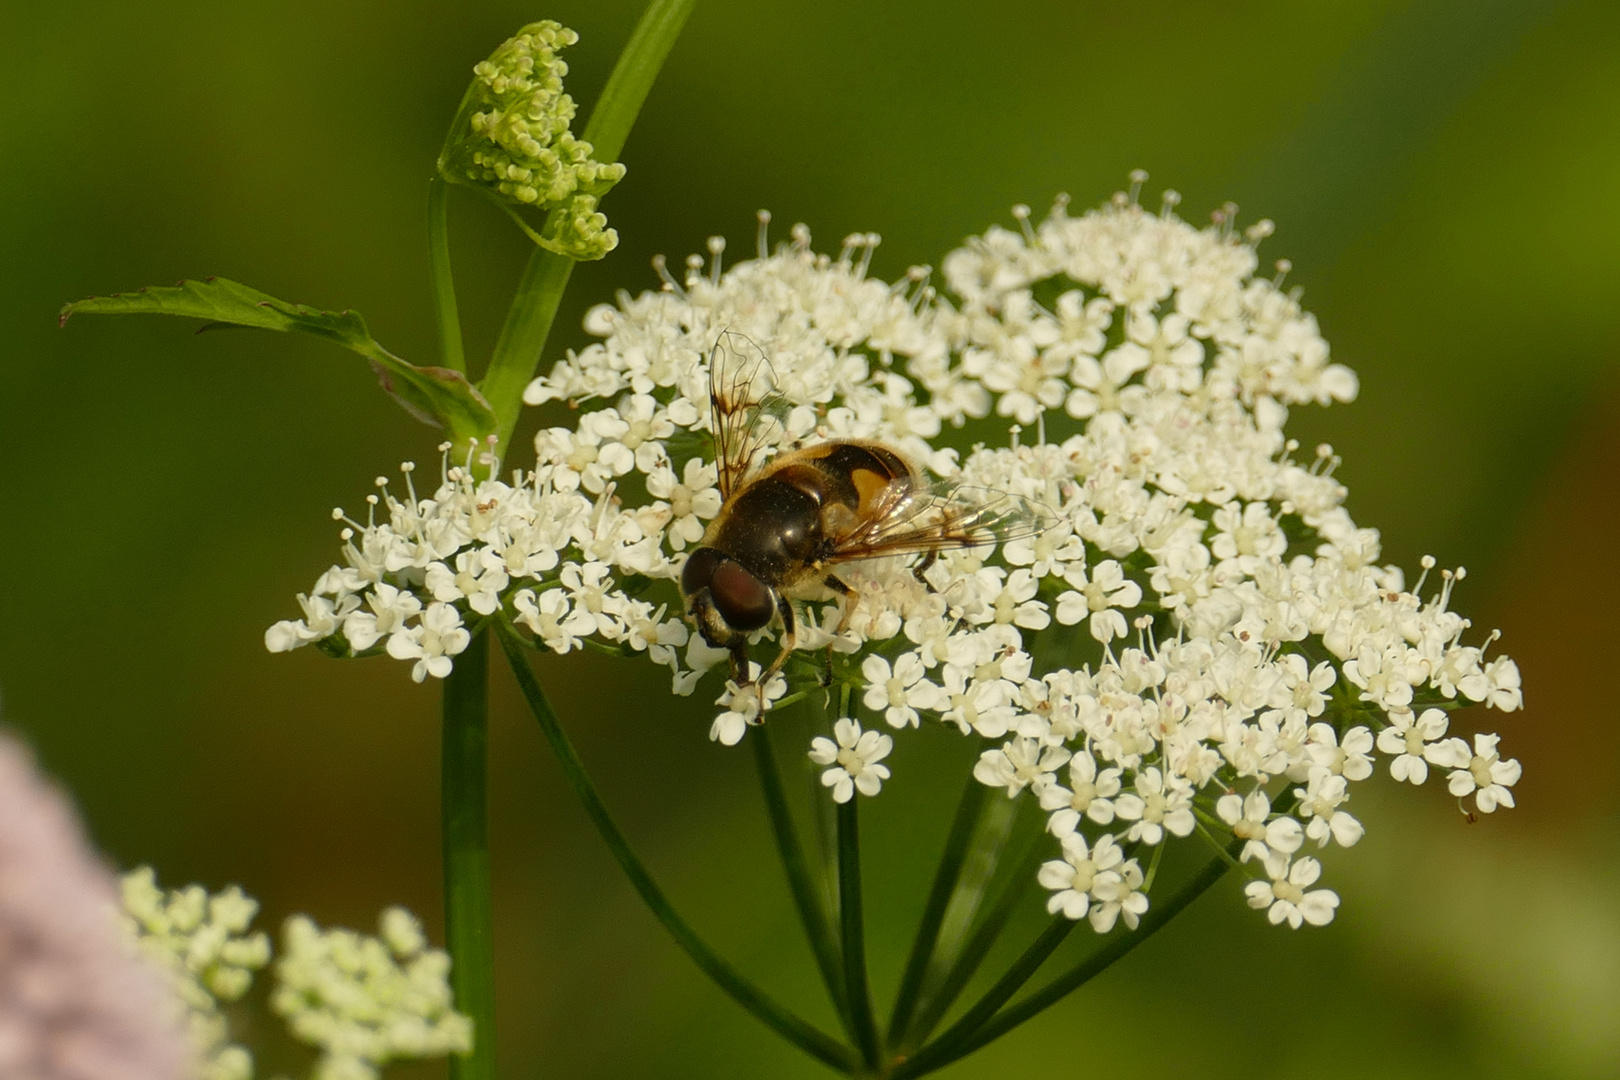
{"type": "Point", "coordinates": [788, 521]}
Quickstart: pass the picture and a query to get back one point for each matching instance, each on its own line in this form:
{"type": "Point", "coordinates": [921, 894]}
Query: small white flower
{"type": "Point", "coordinates": [478, 581]}
{"type": "Point", "coordinates": [1482, 773]}
{"type": "Point", "coordinates": [1082, 869]}
{"type": "Point", "coordinates": [1018, 764]}
{"type": "Point", "coordinates": [322, 618]}
{"type": "Point", "coordinates": [1385, 674]}
{"type": "Point", "coordinates": [1247, 534]}
{"type": "Point", "coordinates": [1412, 739]}
{"type": "Point", "coordinates": [1284, 896]}
{"type": "Point", "coordinates": [391, 609]}
{"type": "Point", "coordinates": [854, 760]}
{"type": "Point", "coordinates": [1090, 793]}
{"type": "Point", "coordinates": [692, 500]}
{"type": "Point", "coordinates": [975, 704]}
{"type": "Point", "coordinates": [551, 618]}
{"type": "Point", "coordinates": [899, 692]}
{"type": "Point", "coordinates": [1502, 682]}
{"type": "Point", "coordinates": [1010, 598]}
{"type": "Point", "coordinates": [1319, 804]}
{"type": "Point", "coordinates": [589, 456]}
{"type": "Point", "coordinates": [1119, 899]}
{"type": "Point", "coordinates": [1350, 757]}
{"type": "Point", "coordinates": [432, 642]}
{"type": "Point", "coordinates": [1249, 817]}
{"type": "Point", "coordinates": [1161, 804]}
{"type": "Point", "coordinates": [744, 705]}
{"type": "Point", "coordinates": [1100, 594]}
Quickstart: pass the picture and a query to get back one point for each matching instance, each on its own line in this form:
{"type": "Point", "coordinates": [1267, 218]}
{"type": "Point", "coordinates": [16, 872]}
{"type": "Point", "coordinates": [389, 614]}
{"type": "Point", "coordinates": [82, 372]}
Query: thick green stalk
{"type": "Point", "coordinates": [528, 321]}
{"type": "Point", "coordinates": [853, 932]}
{"type": "Point", "coordinates": [444, 288]}
{"type": "Point", "coordinates": [795, 1030]}
{"type": "Point", "coordinates": [463, 809]}
{"type": "Point", "coordinates": [523, 336]}
{"type": "Point", "coordinates": [957, 843]}
{"type": "Point", "coordinates": [806, 897]}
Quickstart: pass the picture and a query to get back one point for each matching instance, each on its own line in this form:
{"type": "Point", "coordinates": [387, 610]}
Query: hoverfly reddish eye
{"type": "Point", "coordinates": [744, 601]}
{"type": "Point", "coordinates": [699, 568]}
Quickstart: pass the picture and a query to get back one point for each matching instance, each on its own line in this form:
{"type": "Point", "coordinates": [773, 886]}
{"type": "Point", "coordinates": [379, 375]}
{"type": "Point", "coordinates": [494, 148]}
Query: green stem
{"type": "Point", "coordinates": [943, 1050]}
{"type": "Point", "coordinates": [938, 1003]}
{"type": "Point", "coordinates": [523, 336]}
{"type": "Point", "coordinates": [997, 821]}
{"type": "Point", "coordinates": [464, 804]}
{"type": "Point", "coordinates": [1077, 976]}
{"type": "Point", "coordinates": [957, 843]}
{"type": "Point", "coordinates": [853, 932]}
{"type": "Point", "coordinates": [615, 111]}
{"type": "Point", "coordinates": [795, 1030]}
{"type": "Point", "coordinates": [444, 288]}
{"type": "Point", "coordinates": [812, 912]}
{"type": "Point", "coordinates": [528, 321]}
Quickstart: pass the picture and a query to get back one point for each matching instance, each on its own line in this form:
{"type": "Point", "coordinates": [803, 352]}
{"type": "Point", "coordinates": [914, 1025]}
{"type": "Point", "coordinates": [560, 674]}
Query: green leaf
{"type": "Point", "coordinates": [434, 395]}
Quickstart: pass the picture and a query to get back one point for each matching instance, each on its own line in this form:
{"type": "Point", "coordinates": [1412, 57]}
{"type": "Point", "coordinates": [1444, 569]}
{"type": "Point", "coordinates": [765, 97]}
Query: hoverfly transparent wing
{"type": "Point", "coordinates": [945, 515]}
{"type": "Point", "coordinates": [749, 413]}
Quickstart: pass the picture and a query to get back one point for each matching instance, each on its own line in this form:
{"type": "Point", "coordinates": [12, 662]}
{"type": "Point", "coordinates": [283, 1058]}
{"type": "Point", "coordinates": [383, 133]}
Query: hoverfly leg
{"type": "Point", "coordinates": [790, 638]}
{"type": "Point", "coordinates": [921, 568]}
{"type": "Point", "coordinates": [846, 602]}
{"type": "Point", "coordinates": [738, 645]}
{"type": "Point", "coordinates": [846, 610]}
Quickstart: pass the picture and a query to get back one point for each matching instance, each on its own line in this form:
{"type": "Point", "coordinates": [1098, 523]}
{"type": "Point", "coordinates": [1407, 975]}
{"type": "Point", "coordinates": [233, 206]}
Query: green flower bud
{"type": "Point", "coordinates": [511, 141]}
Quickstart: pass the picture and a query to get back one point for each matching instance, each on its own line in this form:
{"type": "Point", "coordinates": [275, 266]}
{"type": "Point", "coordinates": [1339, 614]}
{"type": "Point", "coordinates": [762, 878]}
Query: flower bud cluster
{"type": "Point", "coordinates": [1205, 643]}
{"type": "Point", "coordinates": [203, 941]}
{"type": "Point", "coordinates": [364, 1000]}
{"type": "Point", "coordinates": [514, 140]}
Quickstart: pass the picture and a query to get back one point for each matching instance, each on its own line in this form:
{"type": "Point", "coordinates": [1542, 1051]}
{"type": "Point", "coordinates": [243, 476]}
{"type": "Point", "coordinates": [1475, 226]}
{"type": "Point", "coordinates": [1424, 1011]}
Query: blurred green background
{"type": "Point", "coordinates": [1442, 173]}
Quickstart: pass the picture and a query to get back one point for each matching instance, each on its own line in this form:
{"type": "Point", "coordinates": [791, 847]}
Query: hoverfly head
{"type": "Point", "coordinates": [724, 597]}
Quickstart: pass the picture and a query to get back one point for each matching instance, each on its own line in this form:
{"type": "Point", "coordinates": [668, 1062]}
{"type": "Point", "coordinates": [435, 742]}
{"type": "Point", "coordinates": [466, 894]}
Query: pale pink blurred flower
{"type": "Point", "coordinates": [77, 1001]}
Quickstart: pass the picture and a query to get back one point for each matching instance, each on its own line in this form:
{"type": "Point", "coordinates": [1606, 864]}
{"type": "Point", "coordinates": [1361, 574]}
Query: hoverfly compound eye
{"type": "Point", "coordinates": [699, 569]}
{"type": "Point", "coordinates": [743, 600]}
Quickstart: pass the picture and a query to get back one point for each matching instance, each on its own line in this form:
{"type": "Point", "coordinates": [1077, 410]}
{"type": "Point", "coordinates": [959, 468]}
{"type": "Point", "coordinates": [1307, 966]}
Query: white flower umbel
{"type": "Point", "coordinates": [1204, 621]}
{"type": "Point", "coordinates": [365, 1001]}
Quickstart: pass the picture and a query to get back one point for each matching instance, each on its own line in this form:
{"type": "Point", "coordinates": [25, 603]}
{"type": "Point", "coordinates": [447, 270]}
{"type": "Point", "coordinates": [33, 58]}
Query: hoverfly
{"type": "Point", "coordinates": [788, 521]}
